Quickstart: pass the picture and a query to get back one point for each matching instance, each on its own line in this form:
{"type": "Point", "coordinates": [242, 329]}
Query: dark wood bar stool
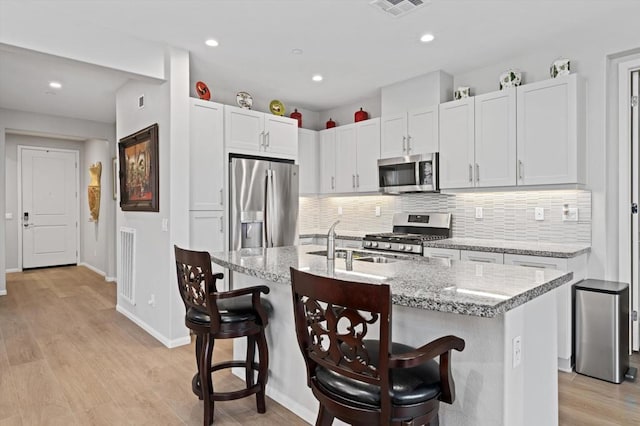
{"type": "Point", "coordinates": [222, 315]}
{"type": "Point", "coordinates": [366, 382]}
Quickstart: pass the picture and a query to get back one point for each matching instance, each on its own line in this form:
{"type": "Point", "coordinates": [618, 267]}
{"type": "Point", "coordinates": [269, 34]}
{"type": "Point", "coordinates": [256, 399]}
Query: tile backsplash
{"type": "Point", "coordinates": [506, 215]}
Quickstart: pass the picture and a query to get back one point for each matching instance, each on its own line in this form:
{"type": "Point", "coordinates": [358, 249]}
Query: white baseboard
{"type": "Point", "coordinates": [93, 268]}
{"type": "Point", "coordinates": [13, 270]}
{"type": "Point", "coordinates": [111, 279]}
{"type": "Point", "coordinates": [3, 292]}
{"type": "Point", "coordinates": [152, 331]}
{"type": "Point", "coordinates": [564, 365]}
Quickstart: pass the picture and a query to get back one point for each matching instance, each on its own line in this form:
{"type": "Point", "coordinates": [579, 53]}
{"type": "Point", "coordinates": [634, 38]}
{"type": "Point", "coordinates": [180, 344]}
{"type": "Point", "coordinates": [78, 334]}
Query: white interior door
{"type": "Point", "coordinates": [635, 191]}
{"type": "Point", "coordinates": [49, 195]}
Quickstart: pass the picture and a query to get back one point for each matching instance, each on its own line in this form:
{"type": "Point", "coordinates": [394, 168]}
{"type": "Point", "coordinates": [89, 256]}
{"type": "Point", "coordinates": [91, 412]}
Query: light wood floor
{"type": "Point", "coordinates": [68, 358]}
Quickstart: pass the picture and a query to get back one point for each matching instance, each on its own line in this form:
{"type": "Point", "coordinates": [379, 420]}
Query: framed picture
{"type": "Point", "coordinates": [139, 174]}
{"type": "Point", "coordinates": [114, 177]}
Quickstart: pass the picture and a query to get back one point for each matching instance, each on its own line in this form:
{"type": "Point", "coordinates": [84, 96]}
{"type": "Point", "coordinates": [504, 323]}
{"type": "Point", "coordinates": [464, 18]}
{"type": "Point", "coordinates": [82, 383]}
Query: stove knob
{"type": "Point", "coordinates": [374, 244]}
{"type": "Point", "coordinates": [387, 246]}
{"type": "Point", "coordinates": [401, 247]}
{"type": "Point", "coordinates": [367, 243]}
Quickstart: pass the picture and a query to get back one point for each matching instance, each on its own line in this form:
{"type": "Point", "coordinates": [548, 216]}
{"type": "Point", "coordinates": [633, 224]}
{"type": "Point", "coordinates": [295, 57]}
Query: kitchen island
{"type": "Point", "coordinates": [507, 374]}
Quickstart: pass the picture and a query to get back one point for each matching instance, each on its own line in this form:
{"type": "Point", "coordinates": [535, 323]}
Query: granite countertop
{"type": "Point", "coordinates": [468, 288]}
{"type": "Point", "coordinates": [528, 248]}
{"type": "Point", "coordinates": [343, 235]}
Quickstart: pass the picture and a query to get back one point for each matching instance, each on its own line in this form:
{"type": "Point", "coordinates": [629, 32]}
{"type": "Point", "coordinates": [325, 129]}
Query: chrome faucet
{"type": "Point", "coordinates": [331, 241]}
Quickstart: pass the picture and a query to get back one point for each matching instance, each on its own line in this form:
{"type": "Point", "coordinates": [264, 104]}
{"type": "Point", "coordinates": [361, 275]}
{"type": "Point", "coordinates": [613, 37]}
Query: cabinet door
{"type": "Point", "coordinates": [327, 161]}
{"type": "Point", "coordinates": [244, 129]}
{"type": "Point", "coordinates": [422, 128]}
{"type": "Point", "coordinates": [206, 230]}
{"type": "Point", "coordinates": [206, 155]}
{"type": "Point", "coordinates": [547, 132]}
{"type": "Point", "coordinates": [281, 135]}
{"type": "Point", "coordinates": [367, 153]}
{"type": "Point", "coordinates": [481, 256]}
{"type": "Point", "coordinates": [346, 158]}
{"type": "Point", "coordinates": [456, 144]}
{"type": "Point", "coordinates": [394, 136]}
{"type": "Point", "coordinates": [495, 140]}
{"type": "Point", "coordinates": [308, 154]}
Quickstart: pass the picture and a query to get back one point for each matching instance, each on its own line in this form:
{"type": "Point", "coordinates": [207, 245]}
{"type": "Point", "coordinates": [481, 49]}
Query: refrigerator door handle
{"type": "Point", "coordinates": [268, 209]}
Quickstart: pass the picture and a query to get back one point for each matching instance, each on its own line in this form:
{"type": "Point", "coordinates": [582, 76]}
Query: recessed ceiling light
{"type": "Point", "coordinates": [211, 42]}
{"type": "Point", "coordinates": [316, 77]}
{"type": "Point", "coordinates": [297, 52]}
{"type": "Point", "coordinates": [427, 38]}
{"type": "Point", "coordinates": [55, 85]}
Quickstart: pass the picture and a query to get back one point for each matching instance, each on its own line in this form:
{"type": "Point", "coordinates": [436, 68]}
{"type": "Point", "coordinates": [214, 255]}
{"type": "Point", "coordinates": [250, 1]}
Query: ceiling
{"type": "Point", "coordinates": [357, 48]}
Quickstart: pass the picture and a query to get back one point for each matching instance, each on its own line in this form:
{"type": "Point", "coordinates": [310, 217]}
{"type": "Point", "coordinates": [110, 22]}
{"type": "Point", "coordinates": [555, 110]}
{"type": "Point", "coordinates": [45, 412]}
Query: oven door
{"type": "Point", "coordinates": [413, 173]}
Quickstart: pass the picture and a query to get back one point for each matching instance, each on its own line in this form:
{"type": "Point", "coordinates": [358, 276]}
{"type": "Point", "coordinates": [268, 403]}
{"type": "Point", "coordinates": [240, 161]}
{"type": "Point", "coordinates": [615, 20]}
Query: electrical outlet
{"type": "Point", "coordinates": [479, 213]}
{"type": "Point", "coordinates": [569, 214]}
{"type": "Point", "coordinates": [539, 213]}
{"type": "Point", "coordinates": [152, 301]}
{"type": "Point", "coordinates": [377, 211]}
{"type": "Point", "coordinates": [517, 351]}
{"type": "Point", "coordinates": [8, 216]}
{"type": "Point", "coordinates": [339, 210]}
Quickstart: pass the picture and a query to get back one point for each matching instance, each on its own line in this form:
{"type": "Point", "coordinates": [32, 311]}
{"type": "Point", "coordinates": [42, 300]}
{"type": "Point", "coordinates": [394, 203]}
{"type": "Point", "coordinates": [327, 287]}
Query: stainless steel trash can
{"type": "Point", "coordinates": [602, 329]}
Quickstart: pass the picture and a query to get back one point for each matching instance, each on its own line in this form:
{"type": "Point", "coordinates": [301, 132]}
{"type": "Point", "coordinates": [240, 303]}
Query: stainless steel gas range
{"type": "Point", "coordinates": [410, 230]}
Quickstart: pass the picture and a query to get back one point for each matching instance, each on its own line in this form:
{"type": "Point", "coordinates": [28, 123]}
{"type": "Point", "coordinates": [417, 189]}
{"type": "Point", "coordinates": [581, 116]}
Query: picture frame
{"type": "Point", "coordinates": [114, 177]}
{"type": "Point", "coordinates": [139, 171]}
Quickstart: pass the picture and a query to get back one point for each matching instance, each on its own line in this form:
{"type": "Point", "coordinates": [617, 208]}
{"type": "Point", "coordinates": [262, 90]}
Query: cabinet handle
{"type": "Point", "coordinates": [221, 224]}
{"type": "Point", "coordinates": [470, 173]}
{"type": "Point", "coordinates": [262, 139]}
{"type": "Point", "coordinates": [357, 181]}
{"type": "Point", "coordinates": [477, 172]}
{"type": "Point", "coordinates": [333, 182]}
{"type": "Point", "coordinates": [353, 181]}
{"type": "Point", "coordinates": [267, 139]}
{"type": "Point", "coordinates": [520, 169]}
{"type": "Point", "coordinates": [408, 144]}
{"type": "Point", "coordinates": [404, 144]}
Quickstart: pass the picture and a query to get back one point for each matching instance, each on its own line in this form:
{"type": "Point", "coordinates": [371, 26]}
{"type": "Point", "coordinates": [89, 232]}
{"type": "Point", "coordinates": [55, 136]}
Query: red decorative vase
{"type": "Point", "coordinates": [298, 116]}
{"type": "Point", "coordinates": [361, 115]}
{"type": "Point", "coordinates": [331, 124]}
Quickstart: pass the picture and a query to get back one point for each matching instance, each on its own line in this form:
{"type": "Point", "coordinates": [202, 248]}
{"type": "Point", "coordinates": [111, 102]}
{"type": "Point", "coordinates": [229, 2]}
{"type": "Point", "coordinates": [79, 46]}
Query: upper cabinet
{"type": "Point", "coordinates": [414, 132]}
{"type": "Point", "coordinates": [308, 152]}
{"type": "Point", "coordinates": [253, 132]}
{"type": "Point", "coordinates": [457, 144]}
{"type": "Point", "coordinates": [495, 139]}
{"type": "Point", "coordinates": [368, 153]}
{"type": "Point", "coordinates": [551, 132]}
{"type": "Point", "coordinates": [206, 155]}
{"type": "Point", "coordinates": [327, 167]}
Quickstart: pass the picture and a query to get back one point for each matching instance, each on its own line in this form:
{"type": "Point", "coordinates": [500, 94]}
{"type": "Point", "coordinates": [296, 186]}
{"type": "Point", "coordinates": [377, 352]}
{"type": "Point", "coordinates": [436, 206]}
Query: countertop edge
{"type": "Point", "coordinates": [505, 250]}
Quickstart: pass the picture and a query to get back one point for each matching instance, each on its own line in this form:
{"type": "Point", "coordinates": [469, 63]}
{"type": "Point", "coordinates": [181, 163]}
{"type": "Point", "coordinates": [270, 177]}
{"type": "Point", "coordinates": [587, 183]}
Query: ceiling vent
{"type": "Point", "coordinates": [398, 8]}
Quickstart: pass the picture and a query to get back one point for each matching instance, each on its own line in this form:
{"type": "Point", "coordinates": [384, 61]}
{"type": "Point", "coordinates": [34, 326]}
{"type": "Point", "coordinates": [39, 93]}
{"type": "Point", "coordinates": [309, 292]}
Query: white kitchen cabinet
{"type": "Point", "coordinates": [356, 156]}
{"type": "Point", "coordinates": [308, 160]}
{"type": "Point", "coordinates": [457, 144]}
{"type": "Point", "coordinates": [495, 139]}
{"type": "Point", "coordinates": [253, 132]}
{"type": "Point", "coordinates": [551, 132]}
{"type": "Point", "coordinates": [206, 230]}
{"type": "Point", "coordinates": [206, 155]}
{"type": "Point", "coordinates": [482, 256]}
{"type": "Point", "coordinates": [577, 265]}
{"type": "Point", "coordinates": [441, 253]}
{"type": "Point", "coordinates": [414, 132]}
{"type": "Point", "coordinates": [327, 164]}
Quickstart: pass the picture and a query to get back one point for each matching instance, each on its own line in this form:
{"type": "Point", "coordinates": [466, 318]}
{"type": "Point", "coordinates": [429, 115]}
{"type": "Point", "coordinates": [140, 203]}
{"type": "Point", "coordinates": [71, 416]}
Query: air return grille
{"type": "Point", "coordinates": [127, 265]}
{"type": "Point", "coordinates": [397, 8]}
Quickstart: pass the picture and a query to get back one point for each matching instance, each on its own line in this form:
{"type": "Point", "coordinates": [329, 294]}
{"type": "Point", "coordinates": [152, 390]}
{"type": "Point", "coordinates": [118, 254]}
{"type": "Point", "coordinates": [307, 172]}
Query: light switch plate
{"type": "Point", "coordinates": [479, 213]}
{"type": "Point", "coordinates": [340, 210]}
{"type": "Point", "coordinates": [165, 225]}
{"type": "Point", "coordinates": [377, 211]}
{"type": "Point", "coordinates": [539, 213]}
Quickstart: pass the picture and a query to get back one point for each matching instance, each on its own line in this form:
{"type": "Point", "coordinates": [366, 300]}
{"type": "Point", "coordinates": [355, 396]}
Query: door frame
{"type": "Point", "coordinates": [626, 265]}
{"type": "Point", "coordinates": [22, 148]}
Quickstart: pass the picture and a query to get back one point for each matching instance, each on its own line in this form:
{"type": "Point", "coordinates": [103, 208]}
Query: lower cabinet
{"type": "Point", "coordinates": [206, 233]}
{"type": "Point", "coordinates": [577, 265]}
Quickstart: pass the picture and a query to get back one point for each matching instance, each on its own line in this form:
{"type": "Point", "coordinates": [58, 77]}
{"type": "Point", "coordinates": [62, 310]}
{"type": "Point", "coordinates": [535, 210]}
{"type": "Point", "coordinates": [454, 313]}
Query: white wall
{"type": "Point", "coordinates": [346, 114]}
{"type": "Point", "coordinates": [165, 104]}
{"type": "Point", "coordinates": [589, 59]}
{"type": "Point", "coordinates": [418, 92]}
{"type": "Point", "coordinates": [45, 125]}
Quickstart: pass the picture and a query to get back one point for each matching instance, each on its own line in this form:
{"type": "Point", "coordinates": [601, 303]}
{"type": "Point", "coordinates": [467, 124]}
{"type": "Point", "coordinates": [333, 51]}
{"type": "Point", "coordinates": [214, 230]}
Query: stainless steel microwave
{"type": "Point", "coordinates": [411, 173]}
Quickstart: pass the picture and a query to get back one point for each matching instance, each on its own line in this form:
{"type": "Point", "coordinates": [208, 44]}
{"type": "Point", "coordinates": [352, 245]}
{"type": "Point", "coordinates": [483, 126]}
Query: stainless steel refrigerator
{"type": "Point", "coordinates": [263, 203]}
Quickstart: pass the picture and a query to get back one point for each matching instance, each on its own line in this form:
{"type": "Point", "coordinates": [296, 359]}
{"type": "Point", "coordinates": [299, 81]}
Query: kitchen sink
{"type": "Point", "coordinates": [376, 259]}
{"type": "Point", "coordinates": [361, 255]}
